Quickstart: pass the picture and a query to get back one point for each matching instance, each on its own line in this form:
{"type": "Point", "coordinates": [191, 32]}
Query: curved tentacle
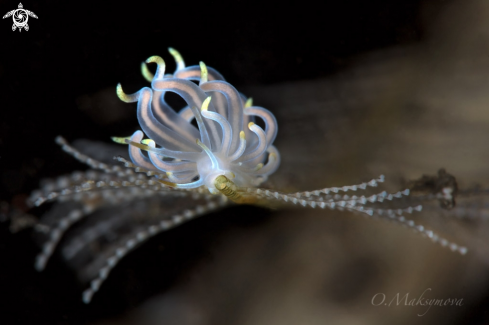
{"type": "Point", "coordinates": [241, 149]}
{"type": "Point", "coordinates": [193, 73]}
{"type": "Point", "coordinates": [272, 164]}
{"type": "Point", "coordinates": [261, 146]}
{"type": "Point", "coordinates": [167, 116]}
{"type": "Point", "coordinates": [226, 127]}
{"type": "Point", "coordinates": [137, 156]}
{"type": "Point", "coordinates": [178, 59]}
{"type": "Point", "coordinates": [162, 111]}
{"type": "Point", "coordinates": [194, 96]}
{"type": "Point", "coordinates": [182, 177]}
{"type": "Point", "coordinates": [235, 106]}
{"type": "Point", "coordinates": [191, 156]}
{"type": "Point", "coordinates": [187, 114]}
{"type": "Point", "coordinates": [169, 166]}
{"type": "Point", "coordinates": [271, 126]}
{"type": "Point", "coordinates": [161, 134]}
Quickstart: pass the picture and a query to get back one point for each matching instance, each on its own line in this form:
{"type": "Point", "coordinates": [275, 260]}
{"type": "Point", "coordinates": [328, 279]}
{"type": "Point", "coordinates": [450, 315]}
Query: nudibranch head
{"type": "Point", "coordinates": [226, 149]}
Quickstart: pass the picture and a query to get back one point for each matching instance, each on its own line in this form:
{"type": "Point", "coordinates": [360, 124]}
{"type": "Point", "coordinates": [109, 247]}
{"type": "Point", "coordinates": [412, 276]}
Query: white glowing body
{"type": "Point", "coordinates": [226, 142]}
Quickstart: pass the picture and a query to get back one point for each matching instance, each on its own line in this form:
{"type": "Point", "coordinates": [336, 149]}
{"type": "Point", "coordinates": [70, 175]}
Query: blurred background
{"type": "Point", "coordinates": [359, 89]}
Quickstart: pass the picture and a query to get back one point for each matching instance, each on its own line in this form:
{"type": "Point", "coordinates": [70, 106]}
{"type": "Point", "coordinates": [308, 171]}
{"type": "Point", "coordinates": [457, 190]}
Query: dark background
{"type": "Point", "coordinates": [75, 50]}
{"type": "Point", "coordinates": [80, 48]}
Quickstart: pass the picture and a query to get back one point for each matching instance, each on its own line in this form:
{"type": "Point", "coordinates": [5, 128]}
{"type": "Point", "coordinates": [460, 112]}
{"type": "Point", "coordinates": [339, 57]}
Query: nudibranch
{"type": "Point", "coordinates": [225, 152]}
{"type": "Point", "coordinates": [225, 157]}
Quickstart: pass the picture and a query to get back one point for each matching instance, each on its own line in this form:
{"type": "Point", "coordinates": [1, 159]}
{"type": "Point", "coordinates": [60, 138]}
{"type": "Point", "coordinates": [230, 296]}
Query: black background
{"type": "Point", "coordinates": [79, 48]}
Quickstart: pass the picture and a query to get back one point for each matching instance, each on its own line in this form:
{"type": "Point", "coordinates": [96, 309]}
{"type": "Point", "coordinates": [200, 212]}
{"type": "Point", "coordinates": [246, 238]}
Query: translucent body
{"type": "Point", "coordinates": [226, 141]}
